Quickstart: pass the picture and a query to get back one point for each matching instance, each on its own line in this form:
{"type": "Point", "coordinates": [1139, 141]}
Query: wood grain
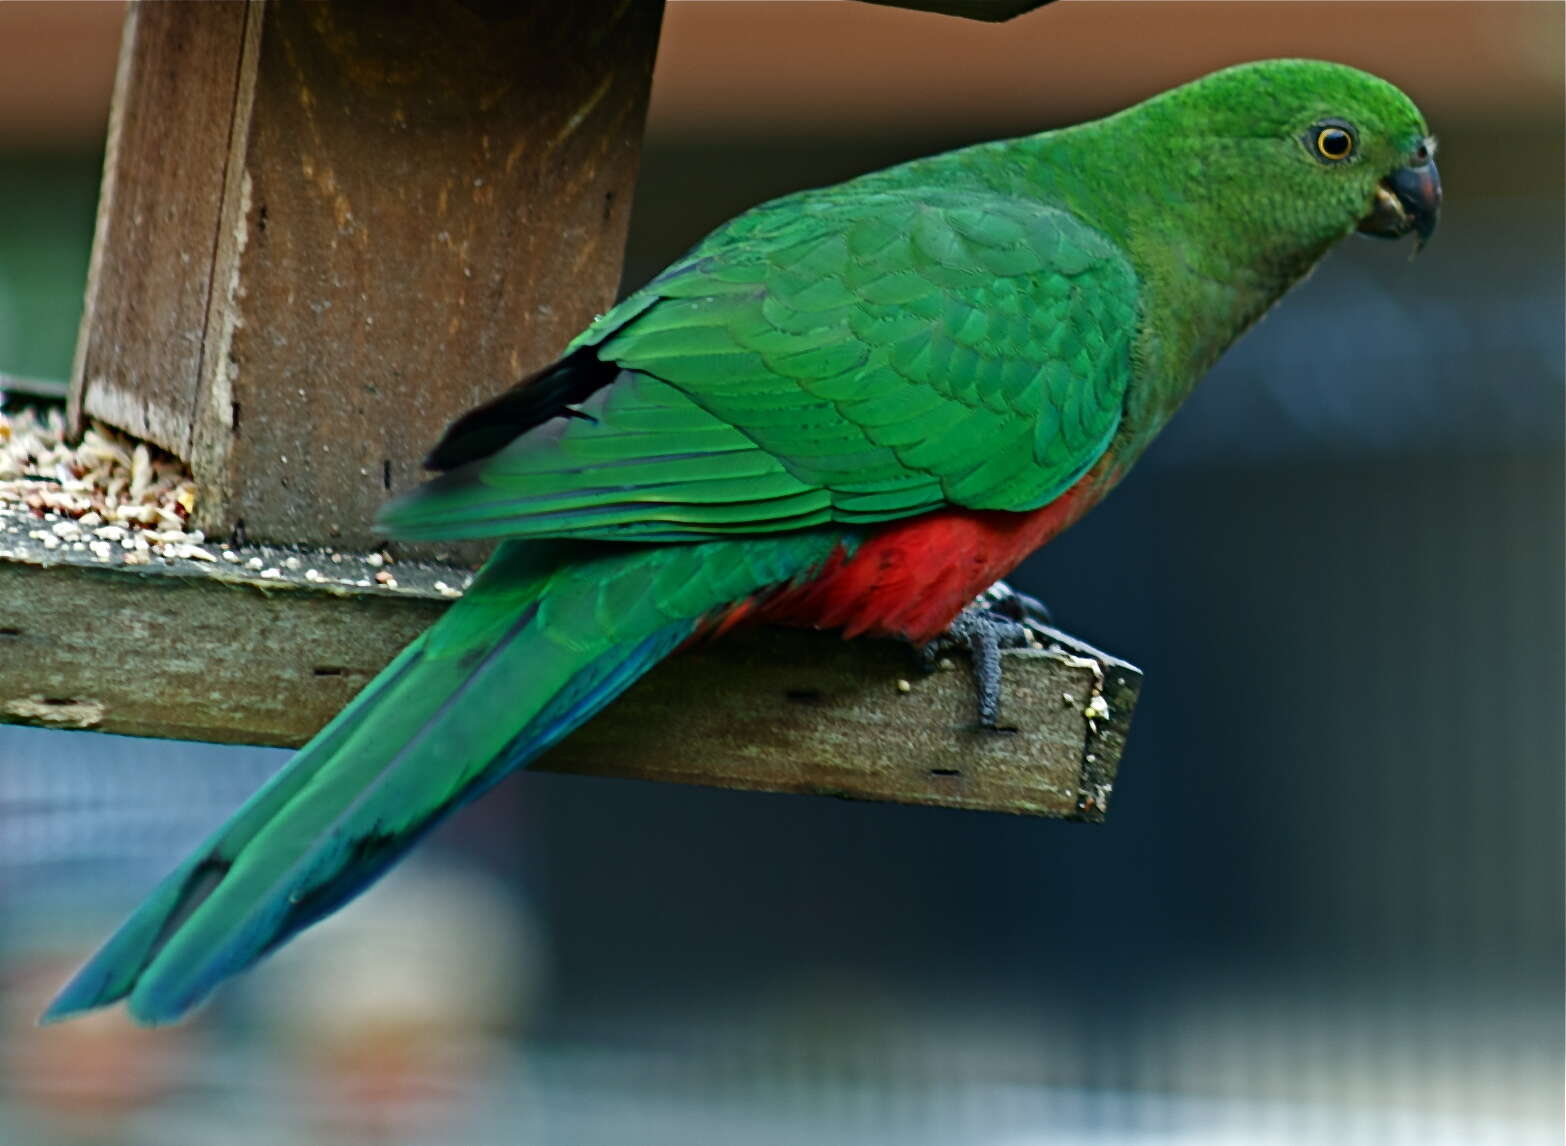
{"type": "Point", "coordinates": [373, 217]}
{"type": "Point", "coordinates": [138, 358]}
{"type": "Point", "coordinates": [216, 652]}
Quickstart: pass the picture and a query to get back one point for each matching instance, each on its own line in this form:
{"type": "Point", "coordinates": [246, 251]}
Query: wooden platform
{"type": "Point", "coordinates": [219, 650]}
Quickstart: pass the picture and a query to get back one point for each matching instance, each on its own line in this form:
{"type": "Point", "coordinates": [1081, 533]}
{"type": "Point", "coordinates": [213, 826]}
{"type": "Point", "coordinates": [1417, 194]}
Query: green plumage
{"type": "Point", "coordinates": [846, 355]}
{"type": "Point", "coordinates": [550, 633]}
{"type": "Point", "coordinates": [790, 404]}
{"type": "Point", "coordinates": [967, 330]}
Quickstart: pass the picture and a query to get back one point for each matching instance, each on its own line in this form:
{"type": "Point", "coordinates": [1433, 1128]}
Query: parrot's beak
{"type": "Point", "coordinates": [1407, 200]}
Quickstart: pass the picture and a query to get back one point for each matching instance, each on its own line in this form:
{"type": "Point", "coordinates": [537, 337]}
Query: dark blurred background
{"type": "Point", "coordinates": [1327, 904]}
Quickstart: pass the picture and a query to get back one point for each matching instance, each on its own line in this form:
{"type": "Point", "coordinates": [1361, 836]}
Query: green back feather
{"type": "Point", "coordinates": [856, 358]}
{"type": "Point", "coordinates": [974, 329]}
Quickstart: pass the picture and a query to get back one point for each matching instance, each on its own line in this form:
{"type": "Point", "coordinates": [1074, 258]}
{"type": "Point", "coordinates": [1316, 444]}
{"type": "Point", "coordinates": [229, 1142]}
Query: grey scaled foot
{"type": "Point", "coordinates": [1003, 599]}
{"type": "Point", "coordinates": [999, 618]}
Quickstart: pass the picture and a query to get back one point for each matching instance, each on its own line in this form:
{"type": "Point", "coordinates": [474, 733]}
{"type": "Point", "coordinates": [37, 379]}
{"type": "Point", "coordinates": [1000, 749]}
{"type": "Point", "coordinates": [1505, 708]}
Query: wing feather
{"type": "Point", "coordinates": [849, 358]}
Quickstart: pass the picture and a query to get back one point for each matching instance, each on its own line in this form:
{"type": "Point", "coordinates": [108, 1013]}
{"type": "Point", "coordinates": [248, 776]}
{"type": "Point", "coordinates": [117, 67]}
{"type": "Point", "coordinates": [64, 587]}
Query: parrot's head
{"type": "Point", "coordinates": [1301, 152]}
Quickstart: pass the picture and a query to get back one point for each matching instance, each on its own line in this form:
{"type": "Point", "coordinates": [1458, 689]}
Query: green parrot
{"type": "Point", "coordinates": [850, 408]}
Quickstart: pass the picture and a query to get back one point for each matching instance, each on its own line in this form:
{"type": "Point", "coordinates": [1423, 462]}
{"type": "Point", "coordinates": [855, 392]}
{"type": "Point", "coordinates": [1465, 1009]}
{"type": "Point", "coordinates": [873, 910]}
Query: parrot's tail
{"type": "Point", "coordinates": [544, 638]}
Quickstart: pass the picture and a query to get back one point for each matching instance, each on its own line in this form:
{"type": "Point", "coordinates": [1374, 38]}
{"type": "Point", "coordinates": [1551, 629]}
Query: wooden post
{"type": "Point", "coordinates": [328, 228]}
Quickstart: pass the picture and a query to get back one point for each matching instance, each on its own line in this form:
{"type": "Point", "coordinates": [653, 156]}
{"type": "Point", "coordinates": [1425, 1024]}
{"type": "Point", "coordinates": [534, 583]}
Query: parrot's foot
{"type": "Point", "coordinates": [1003, 599]}
{"type": "Point", "coordinates": [998, 619]}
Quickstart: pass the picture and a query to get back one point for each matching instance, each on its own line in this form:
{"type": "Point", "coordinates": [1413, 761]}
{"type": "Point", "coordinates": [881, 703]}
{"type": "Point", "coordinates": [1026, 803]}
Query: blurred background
{"type": "Point", "coordinates": [1327, 904]}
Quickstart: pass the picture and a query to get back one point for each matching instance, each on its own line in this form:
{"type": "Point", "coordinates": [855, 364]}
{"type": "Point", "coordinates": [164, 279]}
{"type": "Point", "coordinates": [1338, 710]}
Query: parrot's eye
{"type": "Point", "coordinates": [1332, 142]}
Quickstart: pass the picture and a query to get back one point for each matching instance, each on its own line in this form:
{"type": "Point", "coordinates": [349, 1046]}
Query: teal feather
{"type": "Point", "coordinates": [545, 638]}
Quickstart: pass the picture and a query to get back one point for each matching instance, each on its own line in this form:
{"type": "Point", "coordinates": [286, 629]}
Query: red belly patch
{"type": "Point", "coordinates": [910, 578]}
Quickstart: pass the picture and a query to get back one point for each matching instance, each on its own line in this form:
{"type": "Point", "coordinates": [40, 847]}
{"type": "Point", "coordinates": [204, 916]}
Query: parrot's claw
{"type": "Point", "coordinates": [999, 618]}
{"type": "Point", "coordinates": [1003, 599]}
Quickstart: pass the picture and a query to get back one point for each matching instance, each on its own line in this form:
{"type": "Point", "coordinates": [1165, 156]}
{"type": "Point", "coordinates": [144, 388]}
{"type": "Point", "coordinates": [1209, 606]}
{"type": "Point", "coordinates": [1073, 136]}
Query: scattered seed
{"type": "Point", "coordinates": [141, 471]}
{"type": "Point", "coordinates": [104, 478]}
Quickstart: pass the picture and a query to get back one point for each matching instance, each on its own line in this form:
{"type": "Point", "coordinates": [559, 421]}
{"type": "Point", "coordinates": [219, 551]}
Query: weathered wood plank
{"type": "Point", "coordinates": [138, 359]}
{"type": "Point", "coordinates": [415, 206]}
{"type": "Point", "coordinates": [218, 652]}
{"type": "Point", "coordinates": [786, 711]}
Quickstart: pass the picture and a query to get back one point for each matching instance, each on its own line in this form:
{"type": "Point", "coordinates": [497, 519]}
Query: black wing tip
{"type": "Point", "coordinates": [482, 431]}
{"type": "Point", "coordinates": [467, 440]}
{"type": "Point", "coordinates": [489, 428]}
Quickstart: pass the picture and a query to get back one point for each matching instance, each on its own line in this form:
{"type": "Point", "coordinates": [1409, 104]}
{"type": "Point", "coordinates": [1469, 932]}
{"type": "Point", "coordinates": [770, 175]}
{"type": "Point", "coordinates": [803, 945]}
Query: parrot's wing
{"type": "Point", "coordinates": [822, 359]}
